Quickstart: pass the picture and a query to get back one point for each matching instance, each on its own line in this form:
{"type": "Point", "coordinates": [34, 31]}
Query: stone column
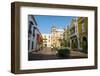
{"type": "Point", "coordinates": [77, 34]}
{"type": "Point", "coordinates": [70, 43]}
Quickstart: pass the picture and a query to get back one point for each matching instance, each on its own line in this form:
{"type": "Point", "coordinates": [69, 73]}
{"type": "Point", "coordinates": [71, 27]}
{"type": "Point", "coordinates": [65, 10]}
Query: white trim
{"type": "Point", "coordinates": [25, 64]}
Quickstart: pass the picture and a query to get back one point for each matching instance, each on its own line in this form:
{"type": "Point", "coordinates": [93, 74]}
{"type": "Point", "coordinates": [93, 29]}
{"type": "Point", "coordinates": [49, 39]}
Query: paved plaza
{"type": "Point", "coordinates": [47, 54]}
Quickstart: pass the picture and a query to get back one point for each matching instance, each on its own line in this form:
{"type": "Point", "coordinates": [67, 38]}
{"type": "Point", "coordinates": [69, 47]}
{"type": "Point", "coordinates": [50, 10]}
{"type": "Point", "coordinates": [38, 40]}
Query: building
{"type": "Point", "coordinates": [66, 37]}
{"type": "Point", "coordinates": [75, 35]}
{"type": "Point", "coordinates": [74, 41]}
{"type": "Point", "coordinates": [34, 35]}
{"type": "Point", "coordinates": [83, 32]}
{"type": "Point", "coordinates": [56, 37]}
{"type": "Point", "coordinates": [46, 40]}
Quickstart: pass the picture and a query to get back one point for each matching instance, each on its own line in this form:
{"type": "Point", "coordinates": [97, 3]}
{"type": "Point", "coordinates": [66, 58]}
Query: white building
{"type": "Point", "coordinates": [46, 40]}
{"type": "Point", "coordinates": [33, 34]}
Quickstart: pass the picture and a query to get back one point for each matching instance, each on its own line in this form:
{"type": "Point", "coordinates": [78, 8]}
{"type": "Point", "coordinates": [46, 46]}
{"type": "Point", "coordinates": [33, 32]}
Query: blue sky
{"type": "Point", "coordinates": [46, 22]}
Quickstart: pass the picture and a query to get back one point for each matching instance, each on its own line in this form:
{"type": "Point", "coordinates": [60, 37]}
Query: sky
{"type": "Point", "coordinates": [46, 22]}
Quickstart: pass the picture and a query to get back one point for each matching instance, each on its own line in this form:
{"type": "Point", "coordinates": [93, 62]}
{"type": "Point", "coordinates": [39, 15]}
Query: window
{"type": "Point", "coordinates": [32, 45]}
{"type": "Point", "coordinates": [29, 29]}
{"type": "Point", "coordinates": [72, 30]}
{"type": "Point", "coordinates": [34, 32]}
{"type": "Point", "coordinates": [83, 30]}
{"type": "Point", "coordinates": [49, 40]}
{"type": "Point", "coordinates": [31, 23]}
{"type": "Point", "coordinates": [49, 36]}
{"type": "Point", "coordinates": [82, 20]}
{"type": "Point", "coordinates": [61, 35]}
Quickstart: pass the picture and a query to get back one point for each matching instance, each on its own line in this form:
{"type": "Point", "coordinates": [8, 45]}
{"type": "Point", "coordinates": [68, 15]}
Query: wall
{"type": "Point", "coordinates": [5, 38]}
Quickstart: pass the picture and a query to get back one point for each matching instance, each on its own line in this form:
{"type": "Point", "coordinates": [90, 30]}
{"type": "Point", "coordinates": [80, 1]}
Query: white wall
{"type": "Point", "coordinates": [5, 42]}
{"type": "Point", "coordinates": [31, 38]}
{"type": "Point", "coordinates": [48, 39]}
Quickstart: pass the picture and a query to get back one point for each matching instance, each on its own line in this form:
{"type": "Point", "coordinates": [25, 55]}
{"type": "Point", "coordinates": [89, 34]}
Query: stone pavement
{"type": "Point", "coordinates": [47, 54]}
{"type": "Point", "coordinates": [77, 54]}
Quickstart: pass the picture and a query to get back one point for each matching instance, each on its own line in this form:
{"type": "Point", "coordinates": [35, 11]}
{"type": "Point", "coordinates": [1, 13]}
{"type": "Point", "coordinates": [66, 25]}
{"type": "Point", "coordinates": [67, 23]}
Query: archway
{"type": "Point", "coordinates": [84, 44]}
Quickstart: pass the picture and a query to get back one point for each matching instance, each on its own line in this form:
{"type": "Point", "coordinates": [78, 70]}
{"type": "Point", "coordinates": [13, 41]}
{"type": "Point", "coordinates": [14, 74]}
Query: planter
{"type": "Point", "coordinates": [63, 52]}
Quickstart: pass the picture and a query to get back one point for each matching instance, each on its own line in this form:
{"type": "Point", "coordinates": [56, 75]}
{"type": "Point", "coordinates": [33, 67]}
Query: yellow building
{"type": "Point", "coordinates": [77, 34]}
{"type": "Point", "coordinates": [56, 37]}
{"type": "Point", "coordinates": [83, 32]}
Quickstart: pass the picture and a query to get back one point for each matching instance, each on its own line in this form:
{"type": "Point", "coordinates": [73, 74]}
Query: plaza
{"type": "Point", "coordinates": [46, 46]}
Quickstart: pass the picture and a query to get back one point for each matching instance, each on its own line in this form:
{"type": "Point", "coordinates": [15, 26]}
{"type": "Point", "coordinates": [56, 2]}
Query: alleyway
{"type": "Point", "coordinates": [47, 54]}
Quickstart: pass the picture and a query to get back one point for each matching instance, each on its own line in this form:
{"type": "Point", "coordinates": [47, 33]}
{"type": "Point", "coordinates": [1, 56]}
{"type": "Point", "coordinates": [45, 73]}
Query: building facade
{"type": "Point", "coordinates": [74, 37]}
{"type": "Point", "coordinates": [34, 35]}
{"type": "Point", "coordinates": [56, 37]}
{"type": "Point", "coordinates": [76, 34]}
{"type": "Point", "coordinates": [46, 40]}
{"type": "Point", "coordinates": [66, 37]}
{"type": "Point", "coordinates": [83, 32]}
